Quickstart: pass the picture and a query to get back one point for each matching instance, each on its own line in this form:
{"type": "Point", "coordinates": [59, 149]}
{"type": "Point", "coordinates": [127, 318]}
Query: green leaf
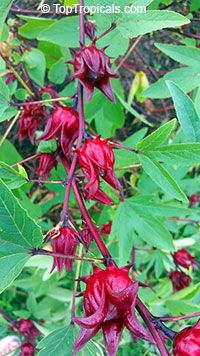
{"type": "Point", "coordinates": [179, 154]}
{"type": "Point", "coordinates": [58, 72]}
{"type": "Point", "coordinates": [189, 56]}
{"type": "Point", "coordinates": [10, 267]}
{"type": "Point", "coordinates": [133, 111]}
{"type": "Point", "coordinates": [33, 26]}
{"type": "Point", "coordinates": [162, 178]}
{"type": "Point", "coordinates": [18, 235]}
{"type": "Point", "coordinates": [4, 94]}
{"type": "Point", "coordinates": [15, 178]}
{"type": "Point", "coordinates": [16, 226]}
{"type": "Point", "coordinates": [47, 146]}
{"type": "Point", "coordinates": [186, 113]}
{"type": "Point", "coordinates": [188, 78]}
{"type": "Point", "coordinates": [63, 32]}
{"type": "Point", "coordinates": [129, 218]}
{"type": "Point", "coordinates": [4, 9]}
{"type": "Point", "coordinates": [36, 66]}
{"type": "Point", "coordinates": [133, 25]}
{"type": "Point", "coordinates": [59, 342]}
{"type": "Point", "coordinates": [157, 137]}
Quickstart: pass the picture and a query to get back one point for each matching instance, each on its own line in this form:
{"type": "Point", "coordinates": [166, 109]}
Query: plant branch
{"type": "Point", "coordinates": [17, 75]}
{"type": "Point", "coordinates": [81, 127]}
{"type": "Point", "coordinates": [180, 317]}
{"type": "Point", "coordinates": [10, 128]}
{"type": "Point", "coordinates": [78, 268]}
{"type": "Point", "coordinates": [147, 317]}
{"type": "Point", "coordinates": [42, 102]}
{"type": "Point", "coordinates": [128, 53]}
{"type": "Point", "coordinates": [49, 253]}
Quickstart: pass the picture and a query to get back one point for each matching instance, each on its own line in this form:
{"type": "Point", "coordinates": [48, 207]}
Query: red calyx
{"type": "Point", "coordinates": [86, 236]}
{"type": "Point", "coordinates": [47, 163]}
{"type": "Point", "coordinates": [109, 301]}
{"type": "Point", "coordinates": [184, 259]}
{"type": "Point", "coordinates": [65, 243]}
{"type": "Point", "coordinates": [90, 29]}
{"type": "Point", "coordinates": [27, 328]}
{"type": "Point", "coordinates": [30, 120]}
{"type": "Point", "coordinates": [97, 160]}
{"type": "Point", "coordinates": [180, 280]}
{"type": "Point", "coordinates": [27, 350]}
{"type": "Point", "coordinates": [64, 121]}
{"type": "Point", "coordinates": [92, 69]}
{"type": "Point", "coordinates": [194, 198]}
{"type": "Point", "coordinates": [187, 342]}
{"type": "Point", "coordinates": [106, 228]}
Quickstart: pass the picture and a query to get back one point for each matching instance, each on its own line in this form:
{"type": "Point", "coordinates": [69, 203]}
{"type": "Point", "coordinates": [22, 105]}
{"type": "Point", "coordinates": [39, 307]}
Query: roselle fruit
{"type": "Point", "coordinates": [187, 342]}
{"type": "Point", "coordinates": [47, 163]}
{"type": "Point", "coordinates": [184, 259]}
{"type": "Point", "coordinates": [30, 120]}
{"type": "Point", "coordinates": [179, 280]}
{"type": "Point", "coordinates": [92, 69]}
{"type": "Point", "coordinates": [109, 302]}
{"type": "Point", "coordinates": [64, 122]}
{"type": "Point", "coordinates": [27, 328]}
{"type": "Point", "coordinates": [65, 243]}
{"type": "Point", "coordinates": [27, 350]}
{"type": "Point", "coordinates": [97, 160]}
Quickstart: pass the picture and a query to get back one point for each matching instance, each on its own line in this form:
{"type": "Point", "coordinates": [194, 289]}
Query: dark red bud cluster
{"type": "Point", "coordinates": [97, 160]}
{"type": "Point", "coordinates": [109, 302]}
{"type": "Point", "coordinates": [27, 328]}
{"type": "Point", "coordinates": [86, 236]}
{"type": "Point", "coordinates": [92, 69]}
{"type": "Point", "coordinates": [106, 228]}
{"type": "Point", "coordinates": [184, 259]}
{"type": "Point", "coordinates": [30, 120]}
{"type": "Point", "coordinates": [187, 342]}
{"type": "Point", "coordinates": [194, 198]}
{"type": "Point", "coordinates": [65, 243]}
{"type": "Point", "coordinates": [64, 122]}
{"type": "Point", "coordinates": [10, 78]}
{"type": "Point", "coordinates": [179, 280]}
{"type": "Point", "coordinates": [27, 349]}
{"type": "Point", "coordinates": [47, 163]}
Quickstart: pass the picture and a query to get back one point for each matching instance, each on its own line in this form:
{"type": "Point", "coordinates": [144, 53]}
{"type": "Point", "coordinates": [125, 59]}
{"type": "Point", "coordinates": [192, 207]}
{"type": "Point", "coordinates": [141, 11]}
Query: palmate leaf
{"type": "Point", "coordinates": [130, 219]}
{"type": "Point", "coordinates": [19, 234]}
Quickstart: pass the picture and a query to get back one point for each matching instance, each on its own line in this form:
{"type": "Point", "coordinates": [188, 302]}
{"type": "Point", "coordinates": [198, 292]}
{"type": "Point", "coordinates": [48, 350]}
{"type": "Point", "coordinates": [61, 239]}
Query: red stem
{"type": "Point", "coordinates": [146, 316]}
{"type": "Point", "coordinates": [102, 247]}
{"type": "Point", "coordinates": [180, 317]}
{"type": "Point", "coordinates": [81, 127]}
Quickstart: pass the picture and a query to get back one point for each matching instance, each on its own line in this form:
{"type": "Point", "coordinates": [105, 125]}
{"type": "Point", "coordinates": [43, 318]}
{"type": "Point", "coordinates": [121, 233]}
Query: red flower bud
{"type": "Point", "coordinates": [106, 228]}
{"type": "Point", "coordinates": [97, 160]}
{"type": "Point", "coordinates": [64, 243]}
{"type": "Point", "coordinates": [27, 350]}
{"type": "Point", "coordinates": [10, 78]}
{"type": "Point", "coordinates": [47, 163]}
{"type": "Point", "coordinates": [194, 198]}
{"type": "Point", "coordinates": [187, 342]}
{"type": "Point", "coordinates": [30, 120]}
{"type": "Point", "coordinates": [48, 89]}
{"type": "Point", "coordinates": [180, 280]}
{"type": "Point", "coordinates": [86, 236]}
{"type": "Point", "coordinates": [63, 121]}
{"type": "Point", "coordinates": [92, 68]}
{"type": "Point", "coordinates": [26, 327]}
{"type": "Point", "coordinates": [184, 259]}
{"type": "Point", "coordinates": [90, 29]}
{"type": "Point", "coordinates": [109, 301]}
